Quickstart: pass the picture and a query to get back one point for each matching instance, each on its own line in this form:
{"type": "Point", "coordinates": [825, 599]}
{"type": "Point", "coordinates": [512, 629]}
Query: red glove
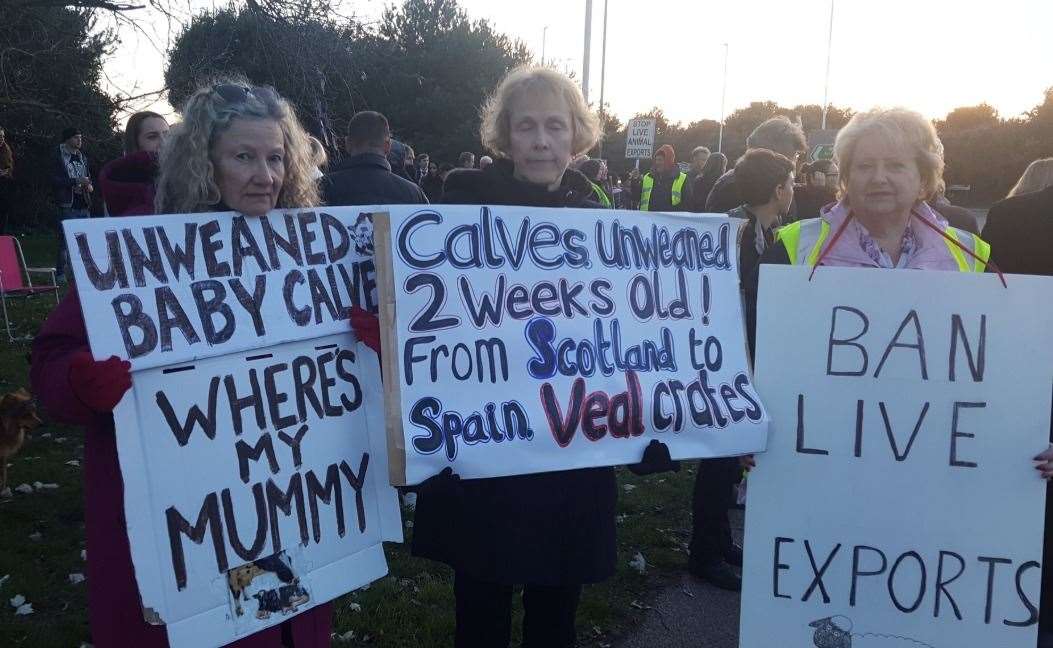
{"type": "Point", "coordinates": [367, 327]}
{"type": "Point", "coordinates": [99, 385]}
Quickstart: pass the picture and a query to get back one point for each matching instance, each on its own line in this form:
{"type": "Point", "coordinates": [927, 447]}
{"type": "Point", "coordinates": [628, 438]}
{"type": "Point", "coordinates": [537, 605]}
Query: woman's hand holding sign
{"type": "Point", "coordinates": [1045, 465]}
{"type": "Point", "coordinates": [99, 384]}
{"type": "Point", "coordinates": [367, 327]}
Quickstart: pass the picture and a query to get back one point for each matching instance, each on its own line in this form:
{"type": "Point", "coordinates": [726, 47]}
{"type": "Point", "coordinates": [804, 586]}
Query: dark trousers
{"type": "Point", "coordinates": [65, 213]}
{"type": "Point", "coordinates": [484, 614]}
{"type": "Point", "coordinates": [711, 531]}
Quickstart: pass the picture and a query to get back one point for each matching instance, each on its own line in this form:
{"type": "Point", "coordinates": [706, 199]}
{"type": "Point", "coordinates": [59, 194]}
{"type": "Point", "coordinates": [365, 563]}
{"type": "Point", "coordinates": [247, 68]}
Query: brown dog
{"type": "Point", "coordinates": [18, 415]}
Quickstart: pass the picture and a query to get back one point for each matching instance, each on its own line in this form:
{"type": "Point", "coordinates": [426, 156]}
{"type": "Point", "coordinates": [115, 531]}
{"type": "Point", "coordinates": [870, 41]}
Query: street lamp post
{"type": "Point", "coordinates": [586, 59]}
{"type": "Point", "coordinates": [826, 84]}
{"type": "Point", "coordinates": [544, 36]}
{"type": "Point", "coordinates": [723, 97]}
{"type": "Point", "coordinates": [603, 72]}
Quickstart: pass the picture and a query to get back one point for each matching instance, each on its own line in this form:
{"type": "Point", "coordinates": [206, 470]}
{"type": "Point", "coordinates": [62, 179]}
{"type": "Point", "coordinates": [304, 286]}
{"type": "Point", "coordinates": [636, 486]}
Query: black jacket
{"type": "Point", "coordinates": [548, 529]}
{"type": "Point", "coordinates": [432, 187]}
{"type": "Point", "coordinates": [749, 266]}
{"type": "Point", "coordinates": [1020, 231]}
{"type": "Point", "coordinates": [959, 217]}
{"type": "Point", "coordinates": [724, 196]}
{"type": "Point", "coordinates": [810, 199]}
{"type": "Point", "coordinates": [366, 179]}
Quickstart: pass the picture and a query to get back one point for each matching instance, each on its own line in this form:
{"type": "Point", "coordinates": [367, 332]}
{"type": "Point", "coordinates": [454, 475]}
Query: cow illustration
{"type": "Point", "coordinates": [241, 577]}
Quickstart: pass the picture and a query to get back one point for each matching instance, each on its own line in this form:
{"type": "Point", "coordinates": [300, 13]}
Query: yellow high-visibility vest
{"type": "Point", "coordinates": [647, 184]}
{"type": "Point", "coordinates": [600, 194]}
{"type": "Point", "coordinates": [804, 240]}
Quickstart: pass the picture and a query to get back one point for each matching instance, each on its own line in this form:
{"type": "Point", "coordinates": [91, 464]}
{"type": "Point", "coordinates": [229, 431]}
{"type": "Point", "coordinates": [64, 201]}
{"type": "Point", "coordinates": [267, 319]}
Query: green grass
{"type": "Point", "coordinates": [412, 607]}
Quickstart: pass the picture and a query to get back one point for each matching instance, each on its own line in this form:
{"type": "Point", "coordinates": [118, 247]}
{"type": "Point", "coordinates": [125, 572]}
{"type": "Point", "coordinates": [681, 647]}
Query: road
{"type": "Point", "coordinates": [689, 613]}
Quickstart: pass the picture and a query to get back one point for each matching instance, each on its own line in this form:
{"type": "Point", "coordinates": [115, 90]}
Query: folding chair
{"type": "Point", "coordinates": [16, 279]}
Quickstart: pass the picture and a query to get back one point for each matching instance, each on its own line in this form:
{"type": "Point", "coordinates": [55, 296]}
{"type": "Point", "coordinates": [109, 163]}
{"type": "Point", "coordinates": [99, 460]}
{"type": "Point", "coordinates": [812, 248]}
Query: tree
{"type": "Point", "coordinates": [322, 79]}
{"type": "Point", "coordinates": [970, 118]}
{"type": "Point", "coordinates": [51, 66]}
{"type": "Point", "coordinates": [427, 67]}
{"type": "Point", "coordinates": [438, 69]}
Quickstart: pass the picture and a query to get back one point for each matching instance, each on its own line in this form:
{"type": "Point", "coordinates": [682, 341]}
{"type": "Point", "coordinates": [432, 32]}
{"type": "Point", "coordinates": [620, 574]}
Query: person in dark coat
{"type": "Point", "coordinates": [819, 188]}
{"type": "Point", "coordinates": [366, 177]}
{"type": "Point", "coordinates": [1020, 231]}
{"type": "Point", "coordinates": [76, 389]}
{"type": "Point", "coordinates": [7, 176]}
{"type": "Point", "coordinates": [716, 165]}
{"type": "Point", "coordinates": [71, 187]}
{"type": "Point", "coordinates": [432, 185]}
{"type": "Point", "coordinates": [765, 180]}
{"type": "Point", "coordinates": [128, 183]}
{"type": "Point", "coordinates": [552, 532]}
{"type": "Point", "coordinates": [777, 134]}
{"type": "Point", "coordinates": [959, 217]}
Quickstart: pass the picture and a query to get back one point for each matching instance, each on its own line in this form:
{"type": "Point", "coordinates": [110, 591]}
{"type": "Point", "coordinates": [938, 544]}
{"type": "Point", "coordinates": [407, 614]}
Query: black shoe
{"type": "Point", "coordinates": [733, 555]}
{"type": "Point", "coordinates": [717, 573]}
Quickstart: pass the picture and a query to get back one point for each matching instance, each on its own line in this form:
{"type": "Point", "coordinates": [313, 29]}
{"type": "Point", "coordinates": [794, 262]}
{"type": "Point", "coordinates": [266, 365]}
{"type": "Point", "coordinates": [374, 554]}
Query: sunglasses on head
{"type": "Point", "coordinates": [234, 93]}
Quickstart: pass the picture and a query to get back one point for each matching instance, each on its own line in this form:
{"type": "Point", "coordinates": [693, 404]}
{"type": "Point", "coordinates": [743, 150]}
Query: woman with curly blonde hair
{"type": "Point", "coordinates": [238, 148]}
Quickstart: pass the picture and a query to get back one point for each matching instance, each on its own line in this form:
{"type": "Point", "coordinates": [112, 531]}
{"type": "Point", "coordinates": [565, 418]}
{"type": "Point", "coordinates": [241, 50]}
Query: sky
{"type": "Point", "coordinates": [928, 55]}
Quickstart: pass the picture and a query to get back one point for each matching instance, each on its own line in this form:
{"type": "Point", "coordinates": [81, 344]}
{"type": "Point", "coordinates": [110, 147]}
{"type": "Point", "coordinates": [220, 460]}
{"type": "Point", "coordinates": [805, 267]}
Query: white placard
{"type": "Point", "coordinates": [254, 467]}
{"type": "Point", "coordinates": [897, 504]}
{"type": "Point", "coordinates": [174, 288]}
{"type": "Point", "coordinates": [639, 138]}
{"type": "Point", "coordinates": [530, 340]}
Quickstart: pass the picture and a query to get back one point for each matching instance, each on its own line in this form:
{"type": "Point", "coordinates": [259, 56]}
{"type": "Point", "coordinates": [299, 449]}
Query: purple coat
{"type": "Point", "coordinates": [114, 608]}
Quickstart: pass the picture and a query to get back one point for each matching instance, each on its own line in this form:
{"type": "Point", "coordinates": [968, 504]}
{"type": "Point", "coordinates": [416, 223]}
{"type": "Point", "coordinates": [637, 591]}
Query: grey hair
{"type": "Point", "coordinates": [529, 79]}
{"type": "Point", "coordinates": [778, 134]}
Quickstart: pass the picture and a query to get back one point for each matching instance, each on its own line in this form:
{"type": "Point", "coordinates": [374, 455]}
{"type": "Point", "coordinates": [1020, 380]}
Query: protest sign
{"type": "Point", "coordinates": [639, 138]}
{"type": "Point", "coordinates": [527, 340]}
{"type": "Point", "coordinates": [251, 444]}
{"type": "Point", "coordinates": [176, 288]}
{"type": "Point", "coordinates": [897, 503]}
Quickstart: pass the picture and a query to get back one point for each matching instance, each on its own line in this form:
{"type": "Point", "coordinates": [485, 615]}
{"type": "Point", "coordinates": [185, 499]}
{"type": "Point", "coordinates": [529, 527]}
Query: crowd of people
{"type": "Point", "coordinates": [878, 204]}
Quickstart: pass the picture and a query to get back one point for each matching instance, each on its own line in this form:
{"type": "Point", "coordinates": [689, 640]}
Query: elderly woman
{"type": "Point", "coordinates": [238, 148]}
{"type": "Point", "coordinates": [891, 163]}
{"type": "Point", "coordinates": [128, 182]}
{"type": "Point", "coordinates": [549, 532]}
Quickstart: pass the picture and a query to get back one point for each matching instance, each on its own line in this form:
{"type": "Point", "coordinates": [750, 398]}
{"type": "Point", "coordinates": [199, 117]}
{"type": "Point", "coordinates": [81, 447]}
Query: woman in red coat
{"type": "Point", "coordinates": [128, 182]}
{"type": "Point", "coordinates": [239, 148]}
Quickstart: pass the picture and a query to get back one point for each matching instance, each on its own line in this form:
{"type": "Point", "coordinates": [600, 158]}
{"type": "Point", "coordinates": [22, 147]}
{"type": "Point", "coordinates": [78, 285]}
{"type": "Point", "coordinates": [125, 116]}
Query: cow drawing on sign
{"type": "Point", "coordinates": [836, 632]}
{"type": "Point", "coordinates": [286, 599]}
{"type": "Point", "coordinates": [241, 577]}
{"type": "Point", "coordinates": [362, 234]}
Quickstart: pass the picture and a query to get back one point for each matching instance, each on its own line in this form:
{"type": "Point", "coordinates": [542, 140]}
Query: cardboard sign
{"type": "Point", "coordinates": [639, 140]}
{"type": "Point", "coordinates": [168, 289]}
{"type": "Point", "coordinates": [252, 441]}
{"type": "Point", "coordinates": [897, 503]}
{"type": "Point", "coordinates": [527, 340]}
